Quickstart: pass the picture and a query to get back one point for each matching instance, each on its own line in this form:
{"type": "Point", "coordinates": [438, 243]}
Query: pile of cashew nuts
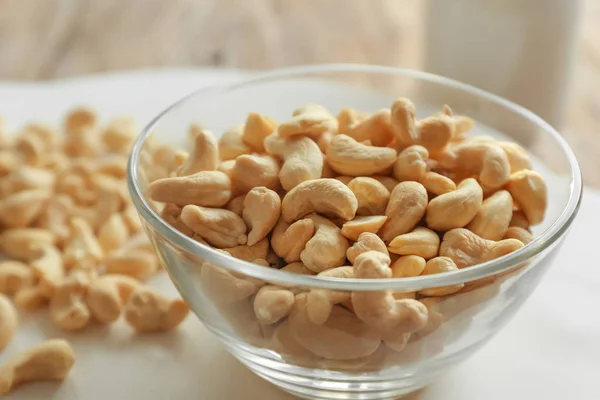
{"type": "Point", "coordinates": [73, 240]}
{"type": "Point", "coordinates": [374, 196]}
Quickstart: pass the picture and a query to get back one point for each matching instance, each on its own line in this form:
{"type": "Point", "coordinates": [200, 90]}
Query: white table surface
{"type": "Point", "coordinates": [550, 350]}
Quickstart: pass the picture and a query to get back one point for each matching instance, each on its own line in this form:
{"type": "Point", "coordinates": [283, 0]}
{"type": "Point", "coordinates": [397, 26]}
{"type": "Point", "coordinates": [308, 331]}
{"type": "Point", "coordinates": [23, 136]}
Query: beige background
{"type": "Point", "coordinates": [58, 38]}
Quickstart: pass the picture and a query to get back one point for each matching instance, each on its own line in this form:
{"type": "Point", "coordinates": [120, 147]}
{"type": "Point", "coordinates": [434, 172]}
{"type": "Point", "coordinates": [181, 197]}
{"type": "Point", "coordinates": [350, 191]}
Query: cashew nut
{"type": "Point", "coordinates": [136, 263]}
{"type": "Point", "coordinates": [27, 178]}
{"type": "Point", "coordinates": [17, 243]}
{"type": "Point", "coordinates": [437, 184]}
{"type": "Point", "coordinates": [403, 121]}
{"type": "Point", "coordinates": [320, 302]}
{"type": "Point", "coordinates": [492, 220]}
{"type": "Point", "coordinates": [225, 287]}
{"type": "Point", "coordinates": [262, 209]}
{"type": "Point", "coordinates": [272, 303]}
{"type": "Point", "coordinates": [288, 241]}
{"type": "Point", "coordinates": [420, 242]}
{"type": "Point", "coordinates": [517, 156]}
{"type": "Point", "coordinates": [171, 213]}
{"type": "Point", "coordinates": [68, 310]}
{"type": "Point", "coordinates": [257, 128]}
{"type": "Point", "coordinates": [349, 157]}
{"type": "Point", "coordinates": [310, 120]}
{"type": "Point", "coordinates": [19, 210]}
{"type": "Point", "coordinates": [251, 171]}
{"type": "Point", "coordinates": [302, 158]}
{"type": "Point", "coordinates": [407, 205]}
{"type": "Point", "coordinates": [49, 360]}
{"type": "Point", "coordinates": [107, 295]}
{"type": "Point", "coordinates": [14, 276]}
{"type": "Point", "coordinates": [466, 248]}
{"type": "Point", "coordinates": [325, 196]}
{"type": "Point", "coordinates": [149, 311]}
{"type": "Point", "coordinates": [47, 265]}
{"type": "Point", "coordinates": [435, 132]}
{"type": "Point", "coordinates": [205, 188]}
{"type": "Point", "coordinates": [249, 253]}
{"type": "Point", "coordinates": [236, 205]}
{"type": "Point", "coordinates": [522, 235]}
{"type": "Point", "coordinates": [327, 248]}
{"type": "Point", "coordinates": [439, 265]}
{"type": "Point", "coordinates": [221, 228]}
{"type": "Point", "coordinates": [354, 228]}
{"type": "Point", "coordinates": [519, 219]}
{"type": "Point", "coordinates": [231, 144]}
{"type": "Point", "coordinates": [8, 321]}
{"type": "Point", "coordinates": [366, 242]}
{"type": "Point", "coordinates": [349, 117]}
{"type": "Point", "coordinates": [82, 250]}
{"type": "Point", "coordinates": [411, 164]}
{"type": "Point", "coordinates": [372, 196]}
{"type": "Point", "coordinates": [529, 190]}
{"type": "Point", "coordinates": [377, 128]}
{"type": "Point", "coordinates": [387, 181]}
{"type": "Point", "coordinates": [204, 155]}
{"type": "Point", "coordinates": [30, 298]}
{"type": "Point", "coordinates": [455, 209]}
{"type": "Point", "coordinates": [113, 233]}
{"type": "Point", "coordinates": [408, 266]}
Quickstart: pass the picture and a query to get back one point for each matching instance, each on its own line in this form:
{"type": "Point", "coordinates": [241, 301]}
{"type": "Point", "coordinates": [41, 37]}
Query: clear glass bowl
{"type": "Point", "coordinates": [358, 365]}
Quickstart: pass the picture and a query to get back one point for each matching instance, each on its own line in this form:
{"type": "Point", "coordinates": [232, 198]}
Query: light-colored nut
{"type": "Point", "coordinates": [221, 228]}
{"type": "Point", "coordinates": [327, 248]}
{"type": "Point", "coordinates": [231, 144]}
{"type": "Point", "coordinates": [297, 268]}
{"type": "Point", "coordinates": [251, 171]}
{"type": "Point", "coordinates": [366, 242]}
{"type": "Point", "coordinates": [82, 250]}
{"type": "Point", "coordinates": [309, 120]}
{"type": "Point", "coordinates": [80, 118]}
{"type": "Point", "coordinates": [49, 360]}
{"type": "Point", "coordinates": [408, 266]}
{"type": "Point", "coordinates": [21, 209]}
{"type": "Point", "coordinates": [522, 235]}
{"type": "Point", "coordinates": [149, 311]}
{"type": "Point", "coordinates": [349, 157]}
{"type": "Point", "coordinates": [171, 213]}
{"type": "Point", "coordinates": [529, 190]}
{"type": "Point", "coordinates": [302, 158]}
{"type": "Point", "coordinates": [113, 233]}
{"type": "Point", "coordinates": [48, 267]}
{"type": "Point", "coordinates": [372, 196]}
{"type": "Point", "coordinates": [519, 219]}
{"type": "Point", "coordinates": [462, 126]}
{"type": "Point", "coordinates": [26, 178]}
{"type": "Point", "coordinates": [325, 196]}
{"type": "Point", "coordinates": [55, 218]}
{"type": "Point", "coordinates": [376, 128]}
{"type": "Point", "coordinates": [323, 141]}
{"type": "Point", "coordinates": [411, 164]}
{"type": "Point", "coordinates": [8, 321]}
{"type": "Point", "coordinates": [17, 243]}
{"type": "Point", "coordinates": [206, 188]}
{"type": "Point", "coordinates": [227, 167]}
{"type": "Point", "coordinates": [492, 220]}
{"type": "Point", "coordinates": [136, 263]}
{"type": "Point", "coordinates": [342, 337]}
{"type": "Point", "coordinates": [262, 209]}
{"type": "Point", "coordinates": [407, 205]}
{"type": "Point", "coordinates": [225, 287]}
{"type": "Point", "coordinates": [68, 309]}
{"type": "Point", "coordinates": [437, 184]}
{"type": "Point", "coordinates": [119, 134]}
{"type": "Point", "coordinates": [236, 205]}
{"type": "Point", "coordinates": [455, 209]}
{"type": "Point", "coordinates": [434, 132]}
{"type": "Point", "coordinates": [260, 250]}
{"type": "Point", "coordinates": [420, 242]}
{"type": "Point", "coordinates": [440, 265]}
{"type": "Point", "coordinates": [14, 276]}
{"type": "Point", "coordinates": [387, 181]}
{"type": "Point", "coordinates": [466, 248]}
{"type": "Point", "coordinates": [257, 128]}
{"type": "Point", "coordinates": [354, 228]}
{"type": "Point", "coordinates": [204, 155]}
{"type": "Point", "coordinates": [320, 302]}
{"type": "Point", "coordinates": [380, 309]}
{"type": "Point", "coordinates": [403, 121]}
{"type": "Point", "coordinates": [272, 303]}
{"type": "Point", "coordinates": [348, 117]}
{"type": "Point", "coordinates": [163, 160]}
{"type": "Point", "coordinates": [288, 241]}
{"type": "Point", "coordinates": [517, 156]}
{"type": "Point", "coordinates": [30, 298]}
{"type": "Point", "coordinates": [107, 295]}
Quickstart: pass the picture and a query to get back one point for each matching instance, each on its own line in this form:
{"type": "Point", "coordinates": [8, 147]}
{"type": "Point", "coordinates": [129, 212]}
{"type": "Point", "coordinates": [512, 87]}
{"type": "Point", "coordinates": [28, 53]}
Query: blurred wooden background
{"type": "Point", "coordinates": [47, 39]}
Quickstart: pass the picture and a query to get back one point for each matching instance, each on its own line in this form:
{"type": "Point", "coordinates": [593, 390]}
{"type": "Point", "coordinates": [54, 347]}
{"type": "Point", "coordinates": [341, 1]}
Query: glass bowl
{"type": "Point", "coordinates": [344, 358]}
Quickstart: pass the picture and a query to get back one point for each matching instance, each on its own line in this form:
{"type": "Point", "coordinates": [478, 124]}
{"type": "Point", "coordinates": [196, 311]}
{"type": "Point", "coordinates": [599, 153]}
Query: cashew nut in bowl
{"type": "Point", "coordinates": [205, 188]}
{"type": "Point", "coordinates": [437, 184]}
{"type": "Point", "coordinates": [320, 302]}
{"type": "Point", "coordinates": [493, 219]}
{"type": "Point", "coordinates": [434, 132]}
{"type": "Point", "coordinates": [272, 303]}
{"type": "Point", "coordinates": [302, 159]}
{"type": "Point", "coordinates": [262, 209]}
{"type": "Point", "coordinates": [231, 144]}
{"type": "Point", "coordinates": [219, 227]}
{"type": "Point", "coordinates": [439, 265]}
{"type": "Point", "coordinates": [420, 242]}
{"type": "Point", "coordinates": [376, 128]}
{"type": "Point", "coordinates": [411, 164]}
{"type": "Point", "coordinates": [522, 235]}
{"type": "Point", "coordinates": [407, 266]}
{"type": "Point", "coordinates": [327, 248]}
{"type": "Point", "coordinates": [255, 170]}
{"type": "Point", "coordinates": [372, 196]}
{"type": "Point", "coordinates": [324, 196]}
{"type": "Point", "coordinates": [403, 121]}
{"type": "Point", "coordinates": [529, 190]}
{"type": "Point", "coordinates": [204, 155]}
{"type": "Point", "coordinates": [256, 129]}
{"type": "Point", "coordinates": [311, 120]}
{"type": "Point", "coordinates": [288, 241]}
{"type": "Point", "coordinates": [457, 208]}
{"type": "Point", "coordinates": [236, 204]}
{"type": "Point", "coordinates": [349, 157]}
{"type": "Point", "coordinates": [517, 156]}
{"type": "Point", "coordinates": [407, 205]}
{"type": "Point", "coordinates": [359, 225]}
{"type": "Point", "coordinates": [348, 117]}
{"type": "Point", "coordinates": [366, 242]}
{"type": "Point", "coordinates": [250, 253]}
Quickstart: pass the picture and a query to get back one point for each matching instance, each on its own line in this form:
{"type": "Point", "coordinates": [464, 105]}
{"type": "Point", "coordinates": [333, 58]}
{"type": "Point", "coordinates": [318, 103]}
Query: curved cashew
{"type": "Point", "coordinates": [492, 220]}
{"type": "Point", "coordinates": [366, 242]}
{"type": "Point", "coordinates": [149, 311]}
{"type": "Point", "coordinates": [302, 158]}
{"type": "Point", "coordinates": [380, 309]}
{"type": "Point", "coordinates": [204, 155]}
{"type": "Point", "coordinates": [529, 190]}
{"type": "Point", "coordinates": [259, 250]}
{"type": "Point", "coordinates": [407, 205]}
{"type": "Point", "coordinates": [349, 117]}
{"type": "Point", "coordinates": [171, 213]}
{"type": "Point", "coordinates": [517, 156]}
{"type": "Point", "coordinates": [83, 249]}
{"type": "Point", "coordinates": [262, 209]}
{"type": "Point", "coordinates": [14, 276]}
{"type": "Point", "coordinates": [466, 248]}
{"type": "Point", "coordinates": [17, 243]}
{"type": "Point", "coordinates": [522, 235]}
{"type": "Point", "coordinates": [49, 360]}
{"type": "Point", "coordinates": [372, 196]}
{"type": "Point", "coordinates": [359, 225]}
{"type": "Point", "coordinates": [342, 337]}
{"type": "Point", "coordinates": [272, 303]}
{"type": "Point", "coordinates": [435, 132]}
{"type": "Point", "coordinates": [22, 208]}
{"type": "Point", "coordinates": [439, 265]}
{"type": "Point", "coordinates": [48, 267]}
{"type": "Point", "coordinates": [288, 241]}
{"type": "Point", "coordinates": [221, 228]}
{"type": "Point", "coordinates": [236, 205]}
{"type": "Point", "coordinates": [377, 128]}
{"type": "Point", "coordinates": [8, 321]}
{"type": "Point", "coordinates": [256, 129]}
{"type": "Point", "coordinates": [113, 233]}
{"type": "Point", "coordinates": [455, 209]}
{"type": "Point", "coordinates": [136, 263]}
{"type": "Point", "coordinates": [420, 242]}
{"type": "Point", "coordinates": [327, 248]}
{"type": "Point", "coordinates": [251, 171]}
{"type": "Point", "coordinates": [403, 121]}
{"type": "Point", "coordinates": [411, 164]}
{"type": "Point", "coordinates": [310, 120]}
{"type": "Point", "coordinates": [349, 157]}
{"type": "Point", "coordinates": [408, 266]}
{"type": "Point", "coordinates": [205, 188]}
{"type": "Point", "coordinates": [119, 134]}
{"type": "Point", "coordinates": [437, 184]}
{"type": "Point", "coordinates": [320, 302]}
{"type": "Point", "coordinates": [325, 196]}
{"type": "Point", "coordinates": [68, 310]}
{"type": "Point", "coordinates": [107, 295]}
{"type": "Point", "coordinates": [231, 144]}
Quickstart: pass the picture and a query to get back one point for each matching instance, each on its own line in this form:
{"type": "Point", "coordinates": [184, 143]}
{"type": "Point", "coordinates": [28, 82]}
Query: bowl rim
{"type": "Point", "coordinates": [550, 236]}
